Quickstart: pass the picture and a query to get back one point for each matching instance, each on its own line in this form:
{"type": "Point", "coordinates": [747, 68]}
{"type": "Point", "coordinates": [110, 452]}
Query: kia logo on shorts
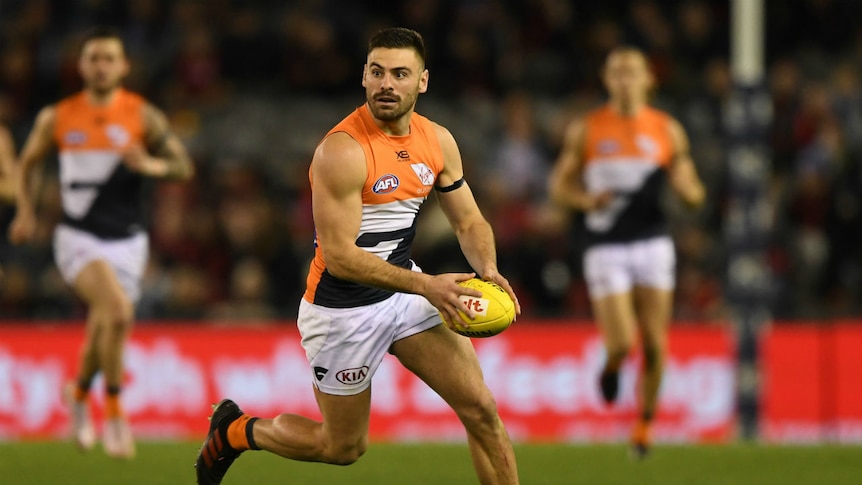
{"type": "Point", "coordinates": [386, 184]}
{"type": "Point", "coordinates": [352, 376]}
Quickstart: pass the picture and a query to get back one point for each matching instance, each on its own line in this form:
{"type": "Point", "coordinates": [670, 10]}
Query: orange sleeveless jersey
{"type": "Point", "coordinates": [627, 156]}
{"type": "Point", "coordinates": [99, 194]}
{"type": "Point", "coordinates": [401, 173]}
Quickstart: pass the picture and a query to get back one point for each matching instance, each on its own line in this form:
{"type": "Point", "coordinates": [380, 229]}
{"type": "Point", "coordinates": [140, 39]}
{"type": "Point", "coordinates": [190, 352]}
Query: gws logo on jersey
{"type": "Point", "coordinates": [352, 376]}
{"type": "Point", "coordinates": [646, 144]}
{"type": "Point", "coordinates": [118, 135]}
{"type": "Point", "coordinates": [386, 184]}
{"type": "Point", "coordinates": [426, 176]}
{"type": "Point", "coordinates": [606, 147]}
{"type": "Point", "coordinates": [75, 137]}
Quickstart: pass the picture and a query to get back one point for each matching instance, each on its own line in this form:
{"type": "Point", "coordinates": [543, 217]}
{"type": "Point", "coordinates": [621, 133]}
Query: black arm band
{"type": "Point", "coordinates": [449, 188]}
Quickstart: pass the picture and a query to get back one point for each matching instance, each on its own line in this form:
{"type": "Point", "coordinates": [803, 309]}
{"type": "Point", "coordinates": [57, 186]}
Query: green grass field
{"type": "Point", "coordinates": [47, 463]}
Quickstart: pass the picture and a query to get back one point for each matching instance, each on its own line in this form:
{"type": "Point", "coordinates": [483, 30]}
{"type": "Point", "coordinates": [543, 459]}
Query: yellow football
{"type": "Point", "coordinates": [494, 310]}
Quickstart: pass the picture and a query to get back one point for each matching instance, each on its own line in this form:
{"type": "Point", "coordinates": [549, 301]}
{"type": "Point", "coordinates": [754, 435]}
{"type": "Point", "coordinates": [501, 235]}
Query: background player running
{"type": "Point", "coordinates": [613, 166]}
{"type": "Point", "coordinates": [365, 297]}
{"type": "Point", "coordinates": [109, 140]}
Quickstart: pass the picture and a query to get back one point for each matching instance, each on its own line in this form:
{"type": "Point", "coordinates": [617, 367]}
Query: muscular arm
{"type": "Point", "coordinates": [683, 175]}
{"type": "Point", "coordinates": [36, 148]}
{"type": "Point", "coordinates": [565, 185]}
{"type": "Point", "coordinates": [338, 171]}
{"type": "Point", "coordinates": [472, 230]}
{"type": "Point", "coordinates": [165, 156]}
{"type": "Point", "coordinates": [7, 165]}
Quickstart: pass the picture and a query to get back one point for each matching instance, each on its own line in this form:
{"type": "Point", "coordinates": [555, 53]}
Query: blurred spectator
{"type": "Point", "coordinates": [252, 86]}
{"type": "Point", "coordinates": [249, 295]}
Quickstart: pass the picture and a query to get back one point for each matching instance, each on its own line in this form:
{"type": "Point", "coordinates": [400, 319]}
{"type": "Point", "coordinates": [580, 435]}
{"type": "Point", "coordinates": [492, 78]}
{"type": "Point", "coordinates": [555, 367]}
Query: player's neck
{"type": "Point", "coordinates": [101, 98]}
{"type": "Point", "coordinates": [627, 109]}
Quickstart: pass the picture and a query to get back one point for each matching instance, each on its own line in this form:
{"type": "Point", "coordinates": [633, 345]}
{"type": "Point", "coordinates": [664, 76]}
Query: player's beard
{"type": "Point", "coordinates": [401, 107]}
{"type": "Point", "coordinates": [102, 87]}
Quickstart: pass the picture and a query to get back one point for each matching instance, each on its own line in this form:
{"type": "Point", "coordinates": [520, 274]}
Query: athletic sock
{"type": "Point", "coordinates": [641, 432]}
{"type": "Point", "coordinates": [82, 390]}
{"type": "Point", "coordinates": [81, 395]}
{"type": "Point", "coordinates": [113, 409]}
{"type": "Point", "coordinates": [240, 434]}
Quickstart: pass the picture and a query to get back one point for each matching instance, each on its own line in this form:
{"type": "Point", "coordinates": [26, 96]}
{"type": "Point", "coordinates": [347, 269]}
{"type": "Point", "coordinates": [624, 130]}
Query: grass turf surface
{"type": "Point", "coordinates": [420, 464]}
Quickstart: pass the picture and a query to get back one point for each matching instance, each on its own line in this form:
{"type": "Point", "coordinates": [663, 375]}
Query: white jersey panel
{"type": "Point", "coordinates": [385, 227]}
{"type": "Point", "coordinates": [82, 172]}
{"type": "Point", "coordinates": [391, 216]}
{"type": "Point", "coordinates": [623, 177]}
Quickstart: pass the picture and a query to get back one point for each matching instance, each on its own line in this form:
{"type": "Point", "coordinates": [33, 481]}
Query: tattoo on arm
{"type": "Point", "coordinates": [158, 146]}
{"type": "Point", "coordinates": [164, 144]}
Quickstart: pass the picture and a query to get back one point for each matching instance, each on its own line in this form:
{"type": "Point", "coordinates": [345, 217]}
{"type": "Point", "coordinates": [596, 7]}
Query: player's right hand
{"type": "Point", "coordinates": [444, 293]}
{"type": "Point", "coordinates": [22, 228]}
{"type": "Point", "coordinates": [600, 201]}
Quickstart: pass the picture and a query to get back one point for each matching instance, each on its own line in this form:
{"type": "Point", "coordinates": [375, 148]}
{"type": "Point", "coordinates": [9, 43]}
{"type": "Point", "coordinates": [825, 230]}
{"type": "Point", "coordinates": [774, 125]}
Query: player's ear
{"type": "Point", "coordinates": [127, 66]}
{"type": "Point", "coordinates": [423, 81]}
{"type": "Point", "coordinates": [364, 73]}
{"type": "Point", "coordinates": [603, 76]}
{"type": "Point", "coordinates": [650, 79]}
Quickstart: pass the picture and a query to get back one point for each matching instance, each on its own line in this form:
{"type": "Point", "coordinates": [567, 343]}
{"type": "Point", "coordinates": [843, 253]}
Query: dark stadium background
{"type": "Point", "coordinates": [252, 86]}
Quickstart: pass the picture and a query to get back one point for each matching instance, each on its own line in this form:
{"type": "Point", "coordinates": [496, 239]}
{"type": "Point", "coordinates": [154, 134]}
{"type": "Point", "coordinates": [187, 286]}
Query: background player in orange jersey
{"type": "Point", "coordinates": [109, 140]}
{"type": "Point", "coordinates": [613, 167]}
{"type": "Point", "coordinates": [365, 297]}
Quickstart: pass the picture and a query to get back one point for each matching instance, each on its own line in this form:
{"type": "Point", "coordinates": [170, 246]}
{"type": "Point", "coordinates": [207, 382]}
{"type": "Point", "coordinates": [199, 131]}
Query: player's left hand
{"type": "Point", "coordinates": [504, 283]}
{"type": "Point", "coordinates": [138, 160]}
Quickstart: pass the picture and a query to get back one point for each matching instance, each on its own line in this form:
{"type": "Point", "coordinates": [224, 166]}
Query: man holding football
{"type": "Point", "coordinates": [365, 296]}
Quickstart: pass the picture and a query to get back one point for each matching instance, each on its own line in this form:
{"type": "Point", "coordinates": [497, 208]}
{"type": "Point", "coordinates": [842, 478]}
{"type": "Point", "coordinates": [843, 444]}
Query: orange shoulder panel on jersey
{"type": "Point", "coordinates": [81, 125]}
{"type": "Point", "coordinates": [401, 172]}
{"type": "Point", "coordinates": [418, 153]}
{"type": "Point", "coordinates": [646, 136]}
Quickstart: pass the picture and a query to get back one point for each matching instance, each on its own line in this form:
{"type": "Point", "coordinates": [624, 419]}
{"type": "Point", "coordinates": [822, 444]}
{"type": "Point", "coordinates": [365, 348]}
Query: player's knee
{"type": "Point", "coordinates": [480, 413]}
{"type": "Point", "coordinates": [117, 312]}
{"type": "Point", "coordinates": [347, 454]}
{"type": "Point", "coordinates": [618, 351]}
{"type": "Point", "coordinates": [653, 355]}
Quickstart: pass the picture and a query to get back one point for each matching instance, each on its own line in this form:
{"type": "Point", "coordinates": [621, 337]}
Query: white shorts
{"type": "Point", "coordinates": [74, 249]}
{"type": "Point", "coordinates": [615, 268]}
{"type": "Point", "coordinates": [344, 346]}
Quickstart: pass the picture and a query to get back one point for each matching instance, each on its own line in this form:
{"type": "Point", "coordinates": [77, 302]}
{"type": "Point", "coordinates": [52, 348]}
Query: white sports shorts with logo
{"type": "Point", "coordinates": [74, 249]}
{"type": "Point", "coordinates": [614, 268]}
{"type": "Point", "coordinates": [345, 346]}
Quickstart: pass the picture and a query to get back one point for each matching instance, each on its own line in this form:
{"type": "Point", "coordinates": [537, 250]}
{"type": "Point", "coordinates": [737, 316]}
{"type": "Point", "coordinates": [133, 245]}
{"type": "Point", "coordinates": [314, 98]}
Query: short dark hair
{"type": "Point", "coordinates": [398, 38]}
{"type": "Point", "coordinates": [101, 32]}
{"type": "Point", "coordinates": [627, 49]}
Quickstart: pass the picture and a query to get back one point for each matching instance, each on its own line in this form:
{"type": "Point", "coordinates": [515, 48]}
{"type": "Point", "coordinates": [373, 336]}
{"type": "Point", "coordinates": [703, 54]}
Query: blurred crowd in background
{"type": "Point", "coordinates": [252, 86]}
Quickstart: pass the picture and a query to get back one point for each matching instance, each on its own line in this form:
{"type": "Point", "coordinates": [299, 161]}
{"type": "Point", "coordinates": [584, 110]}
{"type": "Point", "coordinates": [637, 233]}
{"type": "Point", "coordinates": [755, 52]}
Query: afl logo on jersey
{"type": "Point", "coordinates": [117, 134]}
{"type": "Point", "coordinates": [75, 137]}
{"type": "Point", "coordinates": [386, 184]}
